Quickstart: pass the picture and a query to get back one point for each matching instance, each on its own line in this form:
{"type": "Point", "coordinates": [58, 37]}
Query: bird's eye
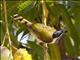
{"type": "Point", "coordinates": [57, 33]}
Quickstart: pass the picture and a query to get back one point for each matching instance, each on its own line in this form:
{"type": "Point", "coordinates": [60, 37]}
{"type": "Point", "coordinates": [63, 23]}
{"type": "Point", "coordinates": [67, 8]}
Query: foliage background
{"type": "Point", "coordinates": [69, 11]}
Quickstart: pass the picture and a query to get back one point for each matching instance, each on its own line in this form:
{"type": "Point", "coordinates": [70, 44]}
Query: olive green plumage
{"type": "Point", "coordinates": [43, 32]}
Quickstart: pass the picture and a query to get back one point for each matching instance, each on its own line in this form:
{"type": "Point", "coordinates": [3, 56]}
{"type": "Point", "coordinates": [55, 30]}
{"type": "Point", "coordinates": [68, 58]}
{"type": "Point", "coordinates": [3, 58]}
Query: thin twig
{"type": "Point", "coordinates": [44, 21]}
{"type": "Point", "coordinates": [7, 35]}
{"type": "Point", "coordinates": [45, 12]}
{"type": "Point", "coordinates": [6, 21]}
{"type": "Point", "coordinates": [3, 40]}
{"type": "Point", "coordinates": [45, 51]}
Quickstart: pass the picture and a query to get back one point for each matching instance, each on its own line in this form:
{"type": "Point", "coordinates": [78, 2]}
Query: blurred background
{"type": "Point", "coordinates": [17, 43]}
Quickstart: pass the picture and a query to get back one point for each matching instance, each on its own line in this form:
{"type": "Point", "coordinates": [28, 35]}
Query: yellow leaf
{"type": "Point", "coordinates": [22, 54]}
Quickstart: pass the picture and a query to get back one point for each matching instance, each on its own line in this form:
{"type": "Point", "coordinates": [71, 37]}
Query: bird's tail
{"type": "Point", "coordinates": [20, 19]}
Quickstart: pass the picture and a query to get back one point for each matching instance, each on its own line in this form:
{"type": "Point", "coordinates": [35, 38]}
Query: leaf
{"type": "Point", "coordinates": [37, 51]}
{"type": "Point", "coordinates": [54, 13]}
{"type": "Point", "coordinates": [30, 12]}
{"type": "Point", "coordinates": [20, 30]}
{"type": "Point", "coordinates": [70, 50]}
{"type": "Point", "coordinates": [75, 10]}
{"type": "Point", "coordinates": [23, 5]}
{"type": "Point", "coordinates": [72, 30]}
{"type": "Point", "coordinates": [12, 7]}
{"type": "Point", "coordinates": [54, 52]}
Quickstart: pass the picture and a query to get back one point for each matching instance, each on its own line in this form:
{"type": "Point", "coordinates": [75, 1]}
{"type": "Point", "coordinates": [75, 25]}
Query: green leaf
{"type": "Point", "coordinates": [24, 5]}
{"type": "Point", "coordinates": [54, 12]}
{"type": "Point", "coordinates": [12, 7]}
{"type": "Point", "coordinates": [72, 30]}
{"type": "Point", "coordinates": [30, 12]}
{"type": "Point", "coordinates": [70, 49]}
{"type": "Point", "coordinates": [20, 30]}
{"type": "Point", "coordinates": [54, 52]}
{"type": "Point", "coordinates": [75, 10]}
{"type": "Point", "coordinates": [37, 51]}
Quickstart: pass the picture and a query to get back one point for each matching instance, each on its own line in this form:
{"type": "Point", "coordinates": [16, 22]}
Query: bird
{"type": "Point", "coordinates": [43, 32]}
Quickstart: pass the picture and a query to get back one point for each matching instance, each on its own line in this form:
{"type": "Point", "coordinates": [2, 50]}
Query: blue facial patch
{"type": "Point", "coordinates": [57, 33]}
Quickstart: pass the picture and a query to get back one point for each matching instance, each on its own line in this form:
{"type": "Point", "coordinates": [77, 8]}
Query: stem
{"type": "Point", "coordinates": [44, 21]}
{"type": "Point", "coordinates": [3, 40]}
{"type": "Point", "coordinates": [45, 51]}
{"type": "Point", "coordinates": [7, 35]}
{"type": "Point", "coordinates": [45, 12]}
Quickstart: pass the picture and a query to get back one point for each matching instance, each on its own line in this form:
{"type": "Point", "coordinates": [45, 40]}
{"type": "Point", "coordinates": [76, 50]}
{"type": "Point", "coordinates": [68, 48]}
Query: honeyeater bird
{"type": "Point", "coordinates": [44, 33]}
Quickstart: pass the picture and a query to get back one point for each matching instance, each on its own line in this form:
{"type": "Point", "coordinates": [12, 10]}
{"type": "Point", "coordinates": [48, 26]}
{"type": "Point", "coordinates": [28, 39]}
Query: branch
{"type": "Point", "coordinates": [44, 21]}
{"type": "Point", "coordinates": [7, 35]}
{"type": "Point", "coordinates": [45, 12]}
